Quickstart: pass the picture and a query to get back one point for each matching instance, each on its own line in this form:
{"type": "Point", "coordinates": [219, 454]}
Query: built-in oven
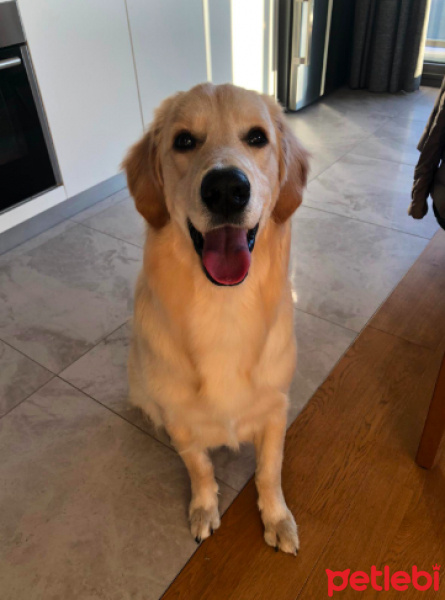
{"type": "Point", "coordinates": [28, 165]}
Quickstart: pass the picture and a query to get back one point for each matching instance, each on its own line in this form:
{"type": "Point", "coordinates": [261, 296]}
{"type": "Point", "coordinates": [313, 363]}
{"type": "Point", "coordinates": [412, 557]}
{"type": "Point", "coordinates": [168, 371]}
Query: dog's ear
{"type": "Point", "coordinates": [293, 171]}
{"type": "Point", "coordinates": [144, 176]}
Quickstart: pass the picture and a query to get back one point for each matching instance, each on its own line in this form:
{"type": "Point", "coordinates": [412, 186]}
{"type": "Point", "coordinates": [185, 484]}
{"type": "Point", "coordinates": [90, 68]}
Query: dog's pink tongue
{"type": "Point", "coordinates": [225, 255]}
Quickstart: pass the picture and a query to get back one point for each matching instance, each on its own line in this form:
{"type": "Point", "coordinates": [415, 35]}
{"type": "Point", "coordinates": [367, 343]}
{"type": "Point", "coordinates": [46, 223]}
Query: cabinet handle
{"type": "Point", "coordinates": [10, 62]}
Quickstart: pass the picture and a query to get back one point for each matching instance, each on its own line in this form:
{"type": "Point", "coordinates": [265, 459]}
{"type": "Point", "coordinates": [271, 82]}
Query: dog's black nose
{"type": "Point", "coordinates": [225, 191]}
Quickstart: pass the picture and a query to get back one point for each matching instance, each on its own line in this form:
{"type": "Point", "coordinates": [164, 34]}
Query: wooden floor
{"type": "Point", "coordinates": [349, 474]}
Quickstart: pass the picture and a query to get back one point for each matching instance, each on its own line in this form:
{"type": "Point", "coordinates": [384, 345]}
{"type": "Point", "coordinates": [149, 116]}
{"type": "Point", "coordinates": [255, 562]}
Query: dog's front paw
{"type": "Point", "coordinates": [203, 522]}
{"type": "Point", "coordinates": [282, 534]}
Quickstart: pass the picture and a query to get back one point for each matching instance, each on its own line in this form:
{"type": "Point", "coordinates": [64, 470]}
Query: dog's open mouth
{"type": "Point", "coordinates": [225, 252]}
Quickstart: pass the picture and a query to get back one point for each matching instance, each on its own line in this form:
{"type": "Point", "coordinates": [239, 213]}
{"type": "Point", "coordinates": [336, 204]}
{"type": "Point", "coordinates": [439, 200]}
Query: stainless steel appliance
{"type": "Point", "coordinates": [28, 165]}
{"type": "Point", "coordinates": [314, 40]}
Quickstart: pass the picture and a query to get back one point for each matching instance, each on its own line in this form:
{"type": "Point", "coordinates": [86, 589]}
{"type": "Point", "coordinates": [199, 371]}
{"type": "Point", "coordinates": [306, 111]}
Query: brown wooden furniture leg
{"type": "Point", "coordinates": [434, 424]}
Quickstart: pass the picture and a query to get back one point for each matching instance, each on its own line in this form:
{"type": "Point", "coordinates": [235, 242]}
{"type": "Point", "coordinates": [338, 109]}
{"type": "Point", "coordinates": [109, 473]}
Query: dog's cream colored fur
{"type": "Point", "coordinates": [212, 364]}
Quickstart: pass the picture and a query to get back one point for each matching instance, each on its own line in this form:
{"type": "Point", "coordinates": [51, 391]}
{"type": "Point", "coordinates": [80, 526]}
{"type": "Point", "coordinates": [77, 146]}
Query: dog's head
{"type": "Point", "coordinates": [219, 161]}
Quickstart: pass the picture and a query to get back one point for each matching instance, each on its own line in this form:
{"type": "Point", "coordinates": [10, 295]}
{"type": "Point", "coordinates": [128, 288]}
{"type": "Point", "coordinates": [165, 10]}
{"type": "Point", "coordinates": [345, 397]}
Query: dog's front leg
{"type": "Point", "coordinates": [203, 512]}
{"type": "Point", "coordinates": [280, 529]}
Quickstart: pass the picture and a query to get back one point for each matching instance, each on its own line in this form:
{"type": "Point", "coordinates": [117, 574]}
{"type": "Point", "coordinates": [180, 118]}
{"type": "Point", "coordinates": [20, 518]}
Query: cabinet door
{"type": "Point", "coordinates": [81, 51]}
{"type": "Point", "coordinates": [169, 48]}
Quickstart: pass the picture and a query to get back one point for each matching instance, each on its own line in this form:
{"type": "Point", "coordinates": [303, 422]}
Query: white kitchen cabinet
{"type": "Point", "coordinates": [82, 55]}
{"type": "Point", "coordinates": [169, 48]}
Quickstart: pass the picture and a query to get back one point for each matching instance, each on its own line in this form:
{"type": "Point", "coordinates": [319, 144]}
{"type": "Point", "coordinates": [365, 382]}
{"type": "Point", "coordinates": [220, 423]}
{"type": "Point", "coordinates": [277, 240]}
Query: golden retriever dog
{"type": "Point", "coordinates": [217, 177]}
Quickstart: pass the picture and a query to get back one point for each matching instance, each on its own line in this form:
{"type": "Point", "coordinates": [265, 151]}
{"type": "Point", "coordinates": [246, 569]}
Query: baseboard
{"type": "Point", "coordinates": [51, 217]}
{"type": "Point", "coordinates": [433, 74]}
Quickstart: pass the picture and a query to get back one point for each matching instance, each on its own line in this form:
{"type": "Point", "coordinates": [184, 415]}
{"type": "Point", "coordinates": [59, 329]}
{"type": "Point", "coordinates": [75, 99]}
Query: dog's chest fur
{"type": "Point", "coordinates": [214, 360]}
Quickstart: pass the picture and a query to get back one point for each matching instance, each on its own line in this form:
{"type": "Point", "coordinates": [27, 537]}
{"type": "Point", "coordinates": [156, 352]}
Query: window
{"type": "Point", "coordinates": [434, 60]}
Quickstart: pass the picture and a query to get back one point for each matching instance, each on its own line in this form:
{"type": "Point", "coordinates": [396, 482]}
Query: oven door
{"type": "Point", "coordinates": [27, 161]}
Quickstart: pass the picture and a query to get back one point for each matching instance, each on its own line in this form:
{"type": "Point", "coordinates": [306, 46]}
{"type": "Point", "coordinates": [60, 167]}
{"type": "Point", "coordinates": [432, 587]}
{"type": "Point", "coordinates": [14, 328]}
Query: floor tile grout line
{"type": "Point", "coordinates": [54, 376]}
{"type": "Point", "coordinates": [172, 449]}
{"type": "Point", "coordinates": [394, 115]}
{"type": "Point", "coordinates": [334, 366]}
{"type": "Point", "coordinates": [100, 340]}
{"type": "Point", "coordinates": [332, 164]}
{"type": "Point", "coordinates": [229, 486]}
{"type": "Point", "coordinates": [369, 321]}
{"type": "Point", "coordinates": [374, 135]}
{"type": "Point", "coordinates": [400, 117]}
{"type": "Point", "coordinates": [58, 376]}
{"type": "Point", "coordinates": [361, 140]}
{"type": "Point", "coordinates": [115, 413]}
{"type": "Point", "coordinates": [385, 160]}
{"type": "Point", "coordinates": [111, 236]}
{"type": "Point", "coordinates": [307, 312]}
{"type": "Point", "coordinates": [57, 373]}
{"type": "Point", "coordinates": [376, 158]}
{"type": "Point", "coordinates": [26, 356]}
{"type": "Point", "coordinates": [368, 222]}
{"type": "Point", "coordinates": [367, 324]}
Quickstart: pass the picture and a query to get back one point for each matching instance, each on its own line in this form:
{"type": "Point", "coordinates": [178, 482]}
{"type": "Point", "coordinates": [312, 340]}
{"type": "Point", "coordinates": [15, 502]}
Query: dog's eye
{"type": "Point", "coordinates": [256, 137]}
{"type": "Point", "coordinates": [184, 141]}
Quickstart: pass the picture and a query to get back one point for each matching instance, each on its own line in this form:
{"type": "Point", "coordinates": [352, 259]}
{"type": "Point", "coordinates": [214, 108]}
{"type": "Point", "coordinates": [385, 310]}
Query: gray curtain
{"type": "Point", "coordinates": [388, 38]}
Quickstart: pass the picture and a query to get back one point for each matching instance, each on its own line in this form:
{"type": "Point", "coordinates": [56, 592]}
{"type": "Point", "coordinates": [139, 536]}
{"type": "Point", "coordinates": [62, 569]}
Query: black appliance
{"type": "Point", "coordinates": [314, 49]}
{"type": "Point", "coordinates": [28, 165]}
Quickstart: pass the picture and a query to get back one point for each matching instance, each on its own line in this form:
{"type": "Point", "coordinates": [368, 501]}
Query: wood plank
{"type": "Point", "coordinates": [389, 524]}
{"type": "Point", "coordinates": [415, 310]}
{"type": "Point", "coordinates": [420, 539]}
{"type": "Point", "coordinates": [435, 424]}
{"type": "Point", "coordinates": [373, 405]}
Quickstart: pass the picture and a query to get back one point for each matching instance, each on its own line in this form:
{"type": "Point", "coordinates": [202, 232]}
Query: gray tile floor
{"type": "Point", "coordinates": [93, 500]}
